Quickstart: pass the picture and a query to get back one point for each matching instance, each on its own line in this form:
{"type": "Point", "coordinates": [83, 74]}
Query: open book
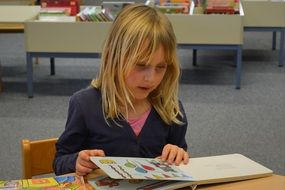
{"type": "Point", "coordinates": [146, 173]}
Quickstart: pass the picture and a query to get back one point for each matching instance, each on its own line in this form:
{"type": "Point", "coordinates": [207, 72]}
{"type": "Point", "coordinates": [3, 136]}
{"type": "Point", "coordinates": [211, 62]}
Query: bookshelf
{"type": "Point", "coordinates": [62, 39]}
{"type": "Point", "coordinates": [17, 2]}
{"type": "Point", "coordinates": [207, 29]}
{"type": "Point", "coordinates": [266, 16]}
{"type": "Point", "coordinates": [264, 13]}
{"type": "Point", "coordinates": [65, 37]}
{"type": "Point", "coordinates": [85, 39]}
{"type": "Point", "coordinates": [12, 17]}
{"type": "Point", "coordinates": [18, 14]}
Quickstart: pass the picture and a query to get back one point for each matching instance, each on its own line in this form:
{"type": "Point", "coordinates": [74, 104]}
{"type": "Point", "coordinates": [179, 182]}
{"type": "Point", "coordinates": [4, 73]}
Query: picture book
{"type": "Point", "coordinates": [104, 182]}
{"type": "Point", "coordinates": [59, 182]}
{"type": "Point", "coordinates": [145, 172]}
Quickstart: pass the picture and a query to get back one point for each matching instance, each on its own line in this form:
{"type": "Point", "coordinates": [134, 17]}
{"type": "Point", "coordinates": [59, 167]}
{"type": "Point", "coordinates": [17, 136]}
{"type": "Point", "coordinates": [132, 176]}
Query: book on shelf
{"type": "Point", "coordinates": [56, 18]}
{"type": "Point", "coordinates": [173, 6]}
{"type": "Point", "coordinates": [70, 182]}
{"type": "Point", "coordinates": [55, 14]}
{"type": "Point", "coordinates": [95, 14]}
{"type": "Point", "coordinates": [49, 11]}
{"type": "Point", "coordinates": [148, 173]}
{"type": "Point", "coordinates": [218, 6]}
{"type": "Point", "coordinates": [73, 5]}
{"type": "Point", "coordinates": [114, 7]}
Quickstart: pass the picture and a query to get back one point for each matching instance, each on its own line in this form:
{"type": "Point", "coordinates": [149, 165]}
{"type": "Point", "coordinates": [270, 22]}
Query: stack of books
{"type": "Point", "coordinates": [72, 5]}
{"type": "Point", "coordinates": [218, 6]}
{"type": "Point", "coordinates": [114, 7]}
{"type": "Point", "coordinates": [53, 14]}
{"type": "Point", "coordinates": [95, 14]}
{"type": "Point", "coordinates": [173, 6]}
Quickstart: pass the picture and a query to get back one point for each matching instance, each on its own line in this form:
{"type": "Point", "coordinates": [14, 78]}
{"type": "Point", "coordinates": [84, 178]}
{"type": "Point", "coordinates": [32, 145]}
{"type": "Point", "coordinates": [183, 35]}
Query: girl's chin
{"type": "Point", "coordinates": [141, 96]}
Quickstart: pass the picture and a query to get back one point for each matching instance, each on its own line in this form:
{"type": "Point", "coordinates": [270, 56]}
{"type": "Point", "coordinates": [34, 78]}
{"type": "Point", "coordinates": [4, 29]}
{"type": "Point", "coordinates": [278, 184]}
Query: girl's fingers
{"type": "Point", "coordinates": [186, 157]}
{"type": "Point", "coordinates": [180, 156]}
{"type": "Point", "coordinates": [83, 163]}
{"type": "Point", "coordinates": [172, 153]}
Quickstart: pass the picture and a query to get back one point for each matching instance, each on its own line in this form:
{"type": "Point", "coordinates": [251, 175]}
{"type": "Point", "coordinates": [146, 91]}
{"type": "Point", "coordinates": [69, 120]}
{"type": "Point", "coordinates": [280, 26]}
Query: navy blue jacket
{"type": "Point", "coordinates": [86, 128]}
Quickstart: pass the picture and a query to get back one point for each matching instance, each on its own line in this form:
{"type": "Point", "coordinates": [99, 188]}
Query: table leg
{"type": "Point", "coordinates": [282, 49]}
{"type": "Point", "coordinates": [194, 57]}
{"type": "Point", "coordinates": [238, 67]}
{"type": "Point", "coordinates": [274, 40]}
{"type": "Point", "coordinates": [29, 75]}
{"type": "Point", "coordinates": [52, 68]}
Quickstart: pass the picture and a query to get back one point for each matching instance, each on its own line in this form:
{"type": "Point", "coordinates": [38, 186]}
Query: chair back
{"type": "Point", "coordinates": [37, 157]}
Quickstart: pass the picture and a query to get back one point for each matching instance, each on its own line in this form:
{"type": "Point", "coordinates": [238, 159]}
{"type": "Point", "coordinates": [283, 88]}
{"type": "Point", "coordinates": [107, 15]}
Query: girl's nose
{"type": "Point", "coordinates": [149, 74]}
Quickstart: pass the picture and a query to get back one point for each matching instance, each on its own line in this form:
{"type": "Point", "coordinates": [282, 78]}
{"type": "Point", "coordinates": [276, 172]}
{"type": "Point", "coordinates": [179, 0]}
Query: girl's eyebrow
{"type": "Point", "coordinates": [162, 63]}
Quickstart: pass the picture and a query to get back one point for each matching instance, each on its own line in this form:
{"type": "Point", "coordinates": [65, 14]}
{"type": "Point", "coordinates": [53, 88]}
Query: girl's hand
{"type": "Point", "coordinates": [83, 163]}
{"type": "Point", "coordinates": [174, 154]}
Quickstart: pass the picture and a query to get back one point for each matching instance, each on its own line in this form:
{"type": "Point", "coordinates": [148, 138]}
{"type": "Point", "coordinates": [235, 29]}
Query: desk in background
{"type": "Point", "coordinates": [12, 19]}
{"type": "Point", "coordinates": [266, 16]}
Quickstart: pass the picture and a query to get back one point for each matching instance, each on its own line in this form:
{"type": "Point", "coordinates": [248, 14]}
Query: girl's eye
{"type": "Point", "coordinates": [141, 65]}
{"type": "Point", "coordinates": [161, 67]}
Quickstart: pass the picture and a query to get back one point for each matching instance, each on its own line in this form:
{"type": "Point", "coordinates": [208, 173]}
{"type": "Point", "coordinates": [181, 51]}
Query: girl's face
{"type": "Point", "coordinates": [145, 77]}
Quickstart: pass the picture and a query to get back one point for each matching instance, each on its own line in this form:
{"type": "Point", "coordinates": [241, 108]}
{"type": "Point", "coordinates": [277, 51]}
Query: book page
{"type": "Point", "coordinates": [139, 168]}
{"type": "Point", "coordinates": [224, 168]}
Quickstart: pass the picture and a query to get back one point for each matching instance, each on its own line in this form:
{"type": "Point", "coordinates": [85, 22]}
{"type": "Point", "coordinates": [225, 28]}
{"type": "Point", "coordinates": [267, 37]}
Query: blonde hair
{"type": "Point", "coordinates": [124, 47]}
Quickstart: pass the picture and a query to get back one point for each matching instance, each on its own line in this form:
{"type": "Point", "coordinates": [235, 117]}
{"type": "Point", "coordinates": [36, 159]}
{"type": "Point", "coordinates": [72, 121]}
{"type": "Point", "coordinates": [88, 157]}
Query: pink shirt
{"type": "Point", "coordinates": [138, 123]}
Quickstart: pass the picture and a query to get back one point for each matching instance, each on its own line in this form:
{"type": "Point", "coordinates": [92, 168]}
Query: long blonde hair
{"type": "Point", "coordinates": [124, 47]}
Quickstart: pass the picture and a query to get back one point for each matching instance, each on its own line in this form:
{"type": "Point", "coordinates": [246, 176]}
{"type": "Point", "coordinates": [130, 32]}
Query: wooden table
{"type": "Point", "coordinates": [274, 182]}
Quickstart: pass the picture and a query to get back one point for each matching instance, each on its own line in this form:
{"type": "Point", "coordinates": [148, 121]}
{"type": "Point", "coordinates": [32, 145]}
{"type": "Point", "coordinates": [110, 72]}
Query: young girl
{"type": "Point", "coordinates": [132, 108]}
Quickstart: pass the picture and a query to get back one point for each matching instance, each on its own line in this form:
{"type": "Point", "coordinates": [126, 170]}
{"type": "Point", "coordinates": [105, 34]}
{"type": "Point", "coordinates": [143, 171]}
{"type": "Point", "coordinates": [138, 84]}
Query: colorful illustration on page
{"type": "Point", "coordinates": [140, 168]}
{"type": "Point", "coordinates": [107, 183]}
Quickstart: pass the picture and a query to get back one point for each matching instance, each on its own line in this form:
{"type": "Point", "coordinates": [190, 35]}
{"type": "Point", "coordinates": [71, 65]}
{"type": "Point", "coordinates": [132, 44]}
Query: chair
{"type": "Point", "coordinates": [37, 157]}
